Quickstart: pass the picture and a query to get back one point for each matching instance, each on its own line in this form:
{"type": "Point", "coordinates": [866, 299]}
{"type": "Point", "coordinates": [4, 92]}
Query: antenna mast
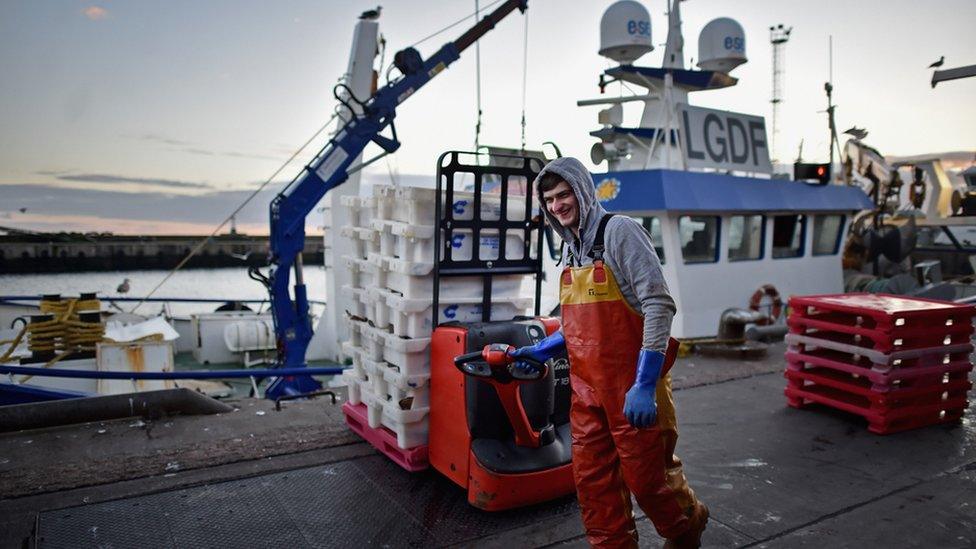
{"type": "Point", "coordinates": [829, 88]}
{"type": "Point", "coordinates": [778, 36]}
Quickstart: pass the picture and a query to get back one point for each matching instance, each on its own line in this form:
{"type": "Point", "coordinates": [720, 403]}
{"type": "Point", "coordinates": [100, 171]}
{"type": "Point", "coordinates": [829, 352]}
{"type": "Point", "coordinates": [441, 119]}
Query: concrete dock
{"type": "Point", "coordinates": [772, 476]}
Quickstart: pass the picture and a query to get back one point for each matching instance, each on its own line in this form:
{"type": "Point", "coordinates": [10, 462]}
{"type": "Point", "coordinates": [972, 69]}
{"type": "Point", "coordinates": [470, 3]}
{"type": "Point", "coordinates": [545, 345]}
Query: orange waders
{"type": "Point", "coordinates": [611, 458]}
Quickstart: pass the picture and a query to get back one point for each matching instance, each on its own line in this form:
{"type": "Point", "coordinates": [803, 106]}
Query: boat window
{"type": "Point", "coordinates": [653, 226]}
{"type": "Point", "coordinates": [699, 238]}
{"type": "Point", "coordinates": [745, 237]}
{"type": "Point", "coordinates": [788, 234]}
{"type": "Point", "coordinates": [826, 234]}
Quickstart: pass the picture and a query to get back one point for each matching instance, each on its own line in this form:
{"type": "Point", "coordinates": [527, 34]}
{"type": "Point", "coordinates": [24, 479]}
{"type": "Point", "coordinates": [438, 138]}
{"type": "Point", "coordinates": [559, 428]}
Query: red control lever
{"type": "Point", "coordinates": [497, 368]}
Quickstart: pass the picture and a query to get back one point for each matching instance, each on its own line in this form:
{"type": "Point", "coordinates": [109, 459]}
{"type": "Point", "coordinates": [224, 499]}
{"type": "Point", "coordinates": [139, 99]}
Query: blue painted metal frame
{"type": "Point", "coordinates": [12, 393]}
{"type": "Point", "coordinates": [671, 190]}
{"type": "Point", "coordinates": [185, 374]}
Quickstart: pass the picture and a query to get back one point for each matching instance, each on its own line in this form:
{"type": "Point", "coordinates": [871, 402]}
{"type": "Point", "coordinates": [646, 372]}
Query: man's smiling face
{"type": "Point", "coordinates": [562, 204]}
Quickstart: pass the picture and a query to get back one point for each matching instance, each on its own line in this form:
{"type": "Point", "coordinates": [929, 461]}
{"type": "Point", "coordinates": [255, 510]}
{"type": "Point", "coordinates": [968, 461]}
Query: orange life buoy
{"type": "Point", "coordinates": [775, 310]}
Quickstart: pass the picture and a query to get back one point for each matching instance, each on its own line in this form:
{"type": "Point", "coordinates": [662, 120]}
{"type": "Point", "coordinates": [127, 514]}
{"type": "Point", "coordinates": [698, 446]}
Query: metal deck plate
{"type": "Point", "coordinates": [358, 503]}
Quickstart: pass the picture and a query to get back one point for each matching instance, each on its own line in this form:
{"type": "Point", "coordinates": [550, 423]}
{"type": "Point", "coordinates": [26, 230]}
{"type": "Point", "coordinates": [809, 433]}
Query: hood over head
{"type": "Point", "coordinates": [591, 211]}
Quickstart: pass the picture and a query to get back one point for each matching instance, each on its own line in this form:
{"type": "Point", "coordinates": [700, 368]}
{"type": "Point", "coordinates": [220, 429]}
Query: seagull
{"type": "Point", "coordinates": [856, 133]}
{"type": "Point", "coordinates": [938, 63]}
{"type": "Point", "coordinates": [242, 257]}
{"type": "Point", "coordinates": [371, 15]}
{"type": "Point", "coordinates": [124, 287]}
{"type": "Point", "coordinates": [22, 210]}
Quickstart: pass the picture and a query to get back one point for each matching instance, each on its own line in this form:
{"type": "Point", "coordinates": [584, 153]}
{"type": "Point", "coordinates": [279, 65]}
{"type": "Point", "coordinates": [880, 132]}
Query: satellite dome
{"type": "Point", "coordinates": [625, 32]}
{"type": "Point", "coordinates": [721, 45]}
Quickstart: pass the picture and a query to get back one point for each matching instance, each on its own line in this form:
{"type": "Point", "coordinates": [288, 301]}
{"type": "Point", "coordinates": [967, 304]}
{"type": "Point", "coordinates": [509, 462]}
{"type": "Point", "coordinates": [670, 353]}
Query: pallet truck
{"type": "Point", "coordinates": [498, 432]}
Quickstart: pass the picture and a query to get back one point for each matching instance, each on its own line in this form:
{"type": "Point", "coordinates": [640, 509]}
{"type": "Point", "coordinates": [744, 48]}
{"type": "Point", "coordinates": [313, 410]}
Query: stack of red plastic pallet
{"type": "Point", "coordinates": [899, 362]}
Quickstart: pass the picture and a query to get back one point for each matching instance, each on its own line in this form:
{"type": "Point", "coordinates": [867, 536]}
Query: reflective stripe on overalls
{"type": "Point", "coordinates": [611, 458]}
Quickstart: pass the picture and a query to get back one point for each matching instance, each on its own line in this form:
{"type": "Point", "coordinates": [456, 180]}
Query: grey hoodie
{"type": "Point", "coordinates": [629, 252]}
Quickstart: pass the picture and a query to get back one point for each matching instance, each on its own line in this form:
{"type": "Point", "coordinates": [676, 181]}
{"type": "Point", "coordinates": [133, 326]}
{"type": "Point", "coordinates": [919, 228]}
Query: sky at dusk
{"type": "Point", "coordinates": [160, 117]}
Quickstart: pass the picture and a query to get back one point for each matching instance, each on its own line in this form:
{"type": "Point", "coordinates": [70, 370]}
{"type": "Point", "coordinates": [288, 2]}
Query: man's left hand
{"type": "Point", "coordinates": [640, 408]}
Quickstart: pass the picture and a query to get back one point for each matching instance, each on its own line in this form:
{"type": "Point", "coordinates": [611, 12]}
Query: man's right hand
{"type": "Point", "coordinates": [542, 351]}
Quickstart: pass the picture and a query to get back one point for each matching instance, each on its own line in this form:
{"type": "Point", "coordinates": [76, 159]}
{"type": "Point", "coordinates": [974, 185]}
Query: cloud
{"type": "Point", "coordinates": [95, 12]}
{"type": "Point", "coordinates": [191, 148]}
{"type": "Point", "coordinates": [117, 179]}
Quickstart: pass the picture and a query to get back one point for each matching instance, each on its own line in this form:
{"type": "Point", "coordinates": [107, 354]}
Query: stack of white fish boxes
{"type": "Point", "coordinates": [391, 319]}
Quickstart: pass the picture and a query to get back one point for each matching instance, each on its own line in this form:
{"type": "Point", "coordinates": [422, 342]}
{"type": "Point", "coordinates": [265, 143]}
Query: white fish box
{"type": "Point", "coordinates": [355, 354]}
{"type": "Point", "coordinates": [355, 331]}
{"type": "Point", "coordinates": [415, 205]}
{"type": "Point", "coordinates": [416, 281]}
{"type": "Point", "coordinates": [208, 329]}
{"type": "Point", "coordinates": [360, 209]}
{"type": "Point", "coordinates": [357, 300]}
{"type": "Point", "coordinates": [355, 387]}
{"type": "Point", "coordinates": [364, 239]}
{"type": "Point", "coordinates": [396, 387]}
{"type": "Point", "coordinates": [413, 317]}
{"type": "Point", "coordinates": [411, 425]}
{"type": "Point", "coordinates": [144, 356]}
{"type": "Point", "coordinates": [462, 245]}
{"type": "Point", "coordinates": [374, 342]}
{"type": "Point", "coordinates": [187, 340]}
{"type": "Point", "coordinates": [362, 275]}
{"type": "Point", "coordinates": [411, 357]}
{"type": "Point", "coordinates": [384, 197]}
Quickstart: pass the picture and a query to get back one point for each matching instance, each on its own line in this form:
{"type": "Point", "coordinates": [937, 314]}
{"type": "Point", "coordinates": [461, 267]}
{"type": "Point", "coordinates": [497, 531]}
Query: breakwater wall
{"type": "Point", "coordinates": [71, 252]}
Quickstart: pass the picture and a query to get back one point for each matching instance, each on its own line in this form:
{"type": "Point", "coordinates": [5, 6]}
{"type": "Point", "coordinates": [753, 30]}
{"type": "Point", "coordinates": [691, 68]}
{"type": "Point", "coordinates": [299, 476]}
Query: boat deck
{"type": "Point", "coordinates": [771, 475]}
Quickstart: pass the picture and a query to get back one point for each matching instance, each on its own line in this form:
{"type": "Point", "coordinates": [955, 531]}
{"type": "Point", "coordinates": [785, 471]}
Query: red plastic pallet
{"type": "Point", "coordinates": [882, 424]}
{"type": "Point", "coordinates": [808, 344]}
{"type": "Point", "coordinates": [878, 341]}
{"type": "Point", "coordinates": [908, 393]}
{"type": "Point", "coordinates": [809, 325]}
{"type": "Point", "coordinates": [882, 377]}
{"type": "Point", "coordinates": [882, 312]}
{"type": "Point", "coordinates": [384, 440]}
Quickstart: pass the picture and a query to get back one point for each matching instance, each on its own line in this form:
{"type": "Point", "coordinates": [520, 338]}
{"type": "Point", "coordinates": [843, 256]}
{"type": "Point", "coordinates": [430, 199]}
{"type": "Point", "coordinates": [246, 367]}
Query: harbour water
{"type": "Point", "coordinates": [227, 284]}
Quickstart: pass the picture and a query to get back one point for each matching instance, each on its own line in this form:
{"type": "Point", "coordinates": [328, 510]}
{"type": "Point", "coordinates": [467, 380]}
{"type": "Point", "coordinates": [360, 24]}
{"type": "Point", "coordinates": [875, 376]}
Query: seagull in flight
{"type": "Point", "coordinates": [938, 63]}
{"type": "Point", "coordinates": [371, 15]}
{"type": "Point", "coordinates": [856, 133]}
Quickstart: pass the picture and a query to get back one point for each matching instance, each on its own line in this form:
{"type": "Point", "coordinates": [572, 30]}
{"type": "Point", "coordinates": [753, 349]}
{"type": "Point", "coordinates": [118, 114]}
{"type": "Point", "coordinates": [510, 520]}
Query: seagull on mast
{"type": "Point", "coordinates": [856, 133]}
{"type": "Point", "coordinates": [938, 63]}
{"type": "Point", "coordinates": [371, 15]}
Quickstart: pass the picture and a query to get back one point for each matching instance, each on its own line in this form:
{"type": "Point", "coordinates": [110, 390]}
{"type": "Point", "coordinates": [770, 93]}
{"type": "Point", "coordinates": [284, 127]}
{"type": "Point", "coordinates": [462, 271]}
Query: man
{"type": "Point", "coordinates": [616, 321]}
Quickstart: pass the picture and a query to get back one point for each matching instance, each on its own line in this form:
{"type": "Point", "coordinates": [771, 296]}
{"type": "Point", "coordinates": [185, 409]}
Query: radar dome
{"type": "Point", "coordinates": [625, 32]}
{"type": "Point", "coordinates": [721, 45]}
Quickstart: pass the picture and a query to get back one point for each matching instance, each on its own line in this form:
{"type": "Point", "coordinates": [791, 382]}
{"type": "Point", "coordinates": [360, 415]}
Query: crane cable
{"type": "Point", "coordinates": [477, 78]}
{"type": "Point", "coordinates": [525, 71]}
{"type": "Point", "coordinates": [452, 25]}
{"type": "Point", "coordinates": [204, 241]}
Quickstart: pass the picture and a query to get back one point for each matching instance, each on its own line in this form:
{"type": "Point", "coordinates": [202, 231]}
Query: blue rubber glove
{"type": "Point", "coordinates": [542, 351]}
{"type": "Point", "coordinates": [640, 408]}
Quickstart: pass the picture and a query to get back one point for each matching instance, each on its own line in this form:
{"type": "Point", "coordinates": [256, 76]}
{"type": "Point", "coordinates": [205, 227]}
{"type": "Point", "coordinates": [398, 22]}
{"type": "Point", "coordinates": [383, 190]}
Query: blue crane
{"type": "Point", "coordinates": [331, 167]}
